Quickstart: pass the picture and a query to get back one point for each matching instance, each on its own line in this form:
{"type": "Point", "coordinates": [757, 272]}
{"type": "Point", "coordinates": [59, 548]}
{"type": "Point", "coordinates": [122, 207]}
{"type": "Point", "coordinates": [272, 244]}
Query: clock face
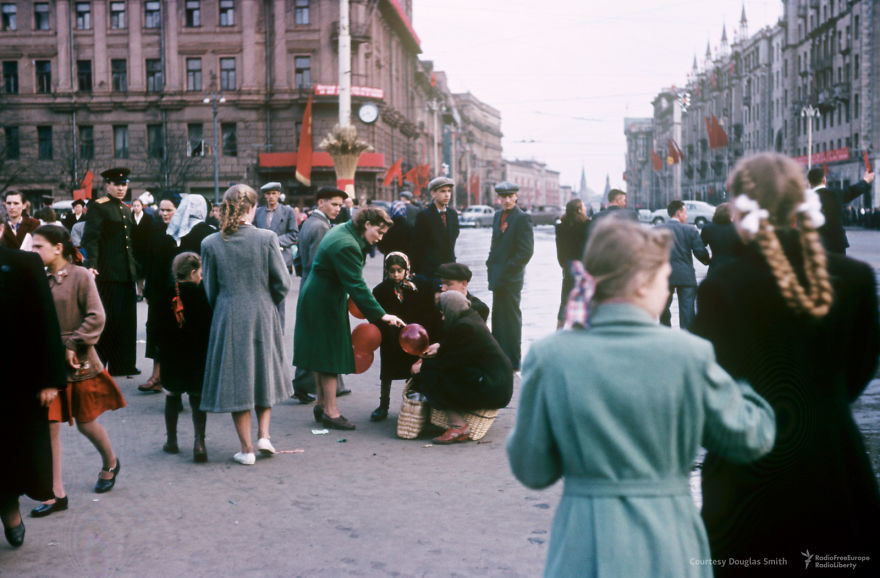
{"type": "Point", "coordinates": [368, 112]}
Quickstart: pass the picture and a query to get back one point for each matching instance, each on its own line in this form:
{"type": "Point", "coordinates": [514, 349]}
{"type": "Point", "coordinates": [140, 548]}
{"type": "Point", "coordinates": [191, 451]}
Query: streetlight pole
{"type": "Point", "coordinates": [214, 99]}
{"type": "Point", "coordinates": [809, 112]}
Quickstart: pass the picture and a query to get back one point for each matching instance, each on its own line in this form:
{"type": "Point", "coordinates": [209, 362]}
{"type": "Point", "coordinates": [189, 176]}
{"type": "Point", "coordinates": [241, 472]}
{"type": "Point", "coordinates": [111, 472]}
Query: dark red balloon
{"type": "Point", "coordinates": [362, 361]}
{"type": "Point", "coordinates": [353, 309]}
{"type": "Point", "coordinates": [414, 339]}
{"type": "Point", "coordinates": [366, 337]}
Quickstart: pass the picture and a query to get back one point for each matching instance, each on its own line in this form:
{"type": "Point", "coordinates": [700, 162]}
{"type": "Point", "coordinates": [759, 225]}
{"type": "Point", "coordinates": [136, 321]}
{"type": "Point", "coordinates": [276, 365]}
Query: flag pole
{"type": "Point", "coordinates": [344, 65]}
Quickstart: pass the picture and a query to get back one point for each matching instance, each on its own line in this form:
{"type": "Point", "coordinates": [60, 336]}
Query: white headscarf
{"type": "Point", "coordinates": [193, 209]}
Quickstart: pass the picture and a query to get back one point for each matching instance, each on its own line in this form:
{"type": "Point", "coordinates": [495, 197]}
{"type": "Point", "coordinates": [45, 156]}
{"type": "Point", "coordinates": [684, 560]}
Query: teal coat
{"type": "Point", "coordinates": [620, 411]}
{"type": "Point", "coordinates": [322, 337]}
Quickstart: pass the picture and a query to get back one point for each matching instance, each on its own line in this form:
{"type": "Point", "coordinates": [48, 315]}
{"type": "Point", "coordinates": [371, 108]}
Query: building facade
{"type": "Point", "coordinates": [538, 185]}
{"type": "Point", "coordinates": [805, 87]}
{"type": "Point", "coordinates": [153, 85]}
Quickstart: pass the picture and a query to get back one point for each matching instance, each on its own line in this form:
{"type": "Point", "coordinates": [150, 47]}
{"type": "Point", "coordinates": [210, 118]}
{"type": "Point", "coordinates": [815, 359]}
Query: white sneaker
{"type": "Point", "coordinates": [265, 447]}
{"type": "Point", "coordinates": [245, 459]}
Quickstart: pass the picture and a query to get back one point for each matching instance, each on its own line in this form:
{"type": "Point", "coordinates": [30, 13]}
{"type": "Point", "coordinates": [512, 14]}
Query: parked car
{"type": "Point", "coordinates": [698, 213]}
{"type": "Point", "coordinates": [645, 216]}
{"type": "Point", "coordinates": [545, 214]}
{"type": "Point", "coordinates": [477, 216]}
{"type": "Point", "coordinates": [62, 208]}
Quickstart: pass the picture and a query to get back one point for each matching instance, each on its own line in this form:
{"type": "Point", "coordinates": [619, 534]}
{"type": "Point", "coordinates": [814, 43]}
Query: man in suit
{"type": "Point", "coordinates": [314, 228]}
{"type": "Point", "coordinates": [110, 257]}
{"type": "Point", "coordinates": [17, 225]}
{"type": "Point", "coordinates": [616, 208]}
{"type": "Point", "coordinates": [683, 279]}
{"type": "Point", "coordinates": [435, 232]}
{"type": "Point", "coordinates": [832, 233]}
{"type": "Point", "coordinates": [278, 218]}
{"type": "Point", "coordinates": [76, 215]}
{"type": "Point", "coordinates": [512, 246]}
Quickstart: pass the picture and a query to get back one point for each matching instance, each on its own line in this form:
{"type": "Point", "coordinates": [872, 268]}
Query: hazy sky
{"type": "Point", "coordinates": [564, 73]}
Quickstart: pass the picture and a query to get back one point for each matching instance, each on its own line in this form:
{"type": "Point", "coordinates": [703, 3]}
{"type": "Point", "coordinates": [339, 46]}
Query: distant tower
{"type": "Point", "coordinates": [582, 188]}
{"type": "Point", "coordinates": [708, 55]}
{"type": "Point", "coordinates": [743, 25]}
{"type": "Point", "coordinates": [725, 46]}
{"type": "Point", "coordinates": [695, 67]}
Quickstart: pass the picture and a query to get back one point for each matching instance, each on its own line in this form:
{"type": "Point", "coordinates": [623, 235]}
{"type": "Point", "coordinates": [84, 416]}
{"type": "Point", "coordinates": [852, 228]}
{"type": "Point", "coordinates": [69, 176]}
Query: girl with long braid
{"type": "Point", "coordinates": [802, 327]}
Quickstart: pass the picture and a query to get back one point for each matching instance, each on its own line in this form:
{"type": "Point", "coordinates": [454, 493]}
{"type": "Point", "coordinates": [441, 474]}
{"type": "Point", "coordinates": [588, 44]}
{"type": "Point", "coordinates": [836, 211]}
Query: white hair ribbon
{"type": "Point", "coordinates": [812, 206]}
{"type": "Point", "coordinates": [751, 212]}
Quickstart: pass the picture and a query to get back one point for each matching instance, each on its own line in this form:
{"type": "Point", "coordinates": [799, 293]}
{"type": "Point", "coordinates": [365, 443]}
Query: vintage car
{"type": "Point", "coordinates": [477, 216]}
{"type": "Point", "coordinates": [698, 213]}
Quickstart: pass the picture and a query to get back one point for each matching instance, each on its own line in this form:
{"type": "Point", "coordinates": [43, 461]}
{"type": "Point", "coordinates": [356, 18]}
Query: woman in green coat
{"type": "Point", "coordinates": [620, 409]}
{"type": "Point", "coordinates": [322, 336]}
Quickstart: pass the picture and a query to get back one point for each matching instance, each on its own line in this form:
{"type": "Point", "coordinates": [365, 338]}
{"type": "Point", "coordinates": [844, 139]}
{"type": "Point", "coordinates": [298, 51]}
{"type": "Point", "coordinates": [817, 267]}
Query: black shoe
{"type": "Point", "coordinates": [107, 485]}
{"type": "Point", "coordinates": [342, 393]}
{"type": "Point", "coordinates": [318, 412]}
{"type": "Point", "coordinates": [42, 510]}
{"type": "Point", "coordinates": [171, 448]}
{"type": "Point", "coordinates": [337, 422]}
{"type": "Point", "coordinates": [15, 536]}
{"type": "Point", "coordinates": [304, 398]}
{"type": "Point", "coordinates": [126, 373]}
{"type": "Point", "coordinates": [379, 414]}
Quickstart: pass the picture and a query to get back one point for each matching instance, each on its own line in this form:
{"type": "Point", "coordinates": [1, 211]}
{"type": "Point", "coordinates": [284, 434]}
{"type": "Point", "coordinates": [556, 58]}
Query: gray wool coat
{"type": "Point", "coordinates": [245, 279]}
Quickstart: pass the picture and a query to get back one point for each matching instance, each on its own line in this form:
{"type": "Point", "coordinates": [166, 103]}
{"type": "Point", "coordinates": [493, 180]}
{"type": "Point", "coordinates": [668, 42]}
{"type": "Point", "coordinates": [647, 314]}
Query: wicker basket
{"type": "Point", "coordinates": [480, 420]}
{"type": "Point", "coordinates": [412, 417]}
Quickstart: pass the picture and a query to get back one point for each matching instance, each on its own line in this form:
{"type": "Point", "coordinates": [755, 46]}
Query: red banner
{"type": "Point", "coordinates": [832, 156]}
{"type": "Point", "coordinates": [363, 91]}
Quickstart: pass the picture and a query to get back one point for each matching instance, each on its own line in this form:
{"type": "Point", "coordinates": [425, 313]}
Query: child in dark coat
{"type": "Point", "coordinates": [183, 349]}
{"type": "Point", "coordinates": [412, 301]}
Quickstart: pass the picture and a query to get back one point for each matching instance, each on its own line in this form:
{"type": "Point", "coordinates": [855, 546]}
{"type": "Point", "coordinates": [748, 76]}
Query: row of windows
{"type": "Point", "coordinates": [155, 141]}
{"type": "Point", "coordinates": [152, 14]}
{"type": "Point", "coordinates": [155, 83]}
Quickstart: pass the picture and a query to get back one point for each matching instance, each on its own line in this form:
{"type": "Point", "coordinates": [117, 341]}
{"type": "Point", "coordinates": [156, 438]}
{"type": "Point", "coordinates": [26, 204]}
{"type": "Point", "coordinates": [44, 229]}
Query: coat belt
{"type": "Point", "coordinates": [593, 487]}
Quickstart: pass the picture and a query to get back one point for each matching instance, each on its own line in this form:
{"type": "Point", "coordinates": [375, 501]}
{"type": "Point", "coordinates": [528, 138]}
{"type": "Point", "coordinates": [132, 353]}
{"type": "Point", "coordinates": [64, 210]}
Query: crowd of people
{"type": "Point", "coordinates": [770, 350]}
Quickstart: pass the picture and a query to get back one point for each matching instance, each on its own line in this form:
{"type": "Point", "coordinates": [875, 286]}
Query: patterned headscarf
{"type": "Point", "coordinates": [577, 311]}
{"type": "Point", "coordinates": [407, 282]}
{"type": "Point", "coordinates": [398, 209]}
{"type": "Point", "coordinates": [193, 209]}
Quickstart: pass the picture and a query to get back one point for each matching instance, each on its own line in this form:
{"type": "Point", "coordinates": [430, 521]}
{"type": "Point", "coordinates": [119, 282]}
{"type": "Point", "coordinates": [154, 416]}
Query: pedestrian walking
{"type": "Point", "coordinates": [90, 390]}
{"type": "Point", "coordinates": [802, 327]}
{"type": "Point", "coordinates": [399, 236]}
{"type": "Point", "coordinates": [313, 230]}
{"type": "Point", "coordinates": [683, 279]}
{"type": "Point", "coordinates": [322, 336]}
{"type": "Point", "coordinates": [110, 257]}
{"type": "Point", "coordinates": [721, 238]}
{"type": "Point", "coordinates": [77, 214]}
{"type": "Point", "coordinates": [245, 279]}
{"type": "Point", "coordinates": [413, 301]}
{"type": "Point", "coordinates": [831, 232]}
{"type": "Point", "coordinates": [34, 373]}
{"type": "Point", "coordinates": [465, 371]}
{"type": "Point", "coordinates": [626, 508]}
{"type": "Point", "coordinates": [141, 234]}
{"type": "Point", "coordinates": [511, 250]}
{"type": "Point", "coordinates": [435, 232]}
{"type": "Point", "coordinates": [183, 348]}
{"type": "Point", "coordinates": [571, 240]}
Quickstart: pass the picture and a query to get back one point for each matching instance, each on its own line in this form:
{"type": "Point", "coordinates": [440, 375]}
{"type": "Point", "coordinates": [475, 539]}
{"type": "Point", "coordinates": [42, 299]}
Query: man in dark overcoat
{"type": "Point", "coordinates": [435, 232]}
{"type": "Point", "coordinates": [832, 233]}
{"type": "Point", "coordinates": [110, 257]}
{"type": "Point", "coordinates": [512, 246]}
{"type": "Point", "coordinates": [313, 230]}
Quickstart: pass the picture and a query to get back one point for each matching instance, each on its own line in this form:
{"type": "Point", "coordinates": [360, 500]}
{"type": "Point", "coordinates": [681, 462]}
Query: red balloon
{"type": "Point", "coordinates": [362, 361]}
{"type": "Point", "coordinates": [366, 337]}
{"type": "Point", "coordinates": [414, 339]}
{"type": "Point", "coordinates": [353, 309]}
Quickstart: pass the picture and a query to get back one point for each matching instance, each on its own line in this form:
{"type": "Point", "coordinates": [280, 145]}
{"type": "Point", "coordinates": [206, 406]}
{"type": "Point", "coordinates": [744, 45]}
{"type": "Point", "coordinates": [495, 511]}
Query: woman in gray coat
{"type": "Point", "coordinates": [246, 281]}
{"type": "Point", "coordinates": [619, 409]}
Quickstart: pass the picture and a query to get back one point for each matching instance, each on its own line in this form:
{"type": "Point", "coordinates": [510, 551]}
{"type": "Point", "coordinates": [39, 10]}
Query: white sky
{"type": "Point", "coordinates": [565, 73]}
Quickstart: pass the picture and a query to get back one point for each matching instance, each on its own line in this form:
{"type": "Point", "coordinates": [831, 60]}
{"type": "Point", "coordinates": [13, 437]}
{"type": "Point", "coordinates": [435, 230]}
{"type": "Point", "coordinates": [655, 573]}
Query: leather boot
{"type": "Point", "coordinates": [171, 404]}
{"type": "Point", "coordinates": [200, 418]}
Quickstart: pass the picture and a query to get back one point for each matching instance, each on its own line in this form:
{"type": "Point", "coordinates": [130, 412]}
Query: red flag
{"type": "Point", "coordinates": [304, 153]}
{"type": "Point", "coordinates": [720, 135]}
{"type": "Point", "coordinates": [867, 162]}
{"type": "Point", "coordinates": [673, 151]}
{"type": "Point", "coordinates": [825, 169]}
{"type": "Point", "coordinates": [658, 162]}
{"type": "Point", "coordinates": [678, 150]}
{"type": "Point", "coordinates": [710, 133]}
{"type": "Point", "coordinates": [85, 190]}
{"type": "Point", "coordinates": [412, 176]}
{"type": "Point", "coordinates": [394, 172]}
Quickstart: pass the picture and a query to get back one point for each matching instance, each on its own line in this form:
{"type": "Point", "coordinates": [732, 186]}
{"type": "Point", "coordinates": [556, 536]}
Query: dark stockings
{"type": "Point", "coordinates": [200, 418]}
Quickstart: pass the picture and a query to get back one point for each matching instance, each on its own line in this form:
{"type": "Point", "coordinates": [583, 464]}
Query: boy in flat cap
{"type": "Point", "coordinates": [110, 258]}
{"type": "Point", "coordinates": [455, 277]}
{"type": "Point", "coordinates": [278, 218]}
{"type": "Point", "coordinates": [511, 250]}
{"type": "Point", "coordinates": [435, 232]}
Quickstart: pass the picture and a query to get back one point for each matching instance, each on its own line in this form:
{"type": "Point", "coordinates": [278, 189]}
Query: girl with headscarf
{"type": "Point", "coordinates": [188, 227]}
{"type": "Point", "coordinates": [412, 301]}
{"type": "Point", "coordinates": [465, 371]}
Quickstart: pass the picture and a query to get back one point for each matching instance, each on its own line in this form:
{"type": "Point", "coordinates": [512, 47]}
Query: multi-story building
{"type": "Point", "coordinates": [144, 83]}
{"type": "Point", "coordinates": [538, 185]}
{"type": "Point", "coordinates": [639, 172]}
{"type": "Point", "coordinates": [479, 161]}
{"type": "Point", "coordinates": [804, 87]}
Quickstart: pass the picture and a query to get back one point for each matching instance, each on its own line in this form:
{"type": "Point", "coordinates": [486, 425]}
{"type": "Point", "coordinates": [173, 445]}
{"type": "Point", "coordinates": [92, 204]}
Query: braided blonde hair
{"type": "Point", "coordinates": [237, 201]}
{"type": "Point", "coordinates": [777, 184]}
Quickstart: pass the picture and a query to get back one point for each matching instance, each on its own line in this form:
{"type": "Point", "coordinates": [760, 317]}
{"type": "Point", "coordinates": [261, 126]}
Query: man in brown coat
{"type": "Point", "coordinates": [17, 225]}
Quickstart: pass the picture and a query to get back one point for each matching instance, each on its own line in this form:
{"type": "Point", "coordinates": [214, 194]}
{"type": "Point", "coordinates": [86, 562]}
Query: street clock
{"type": "Point", "coordinates": [368, 113]}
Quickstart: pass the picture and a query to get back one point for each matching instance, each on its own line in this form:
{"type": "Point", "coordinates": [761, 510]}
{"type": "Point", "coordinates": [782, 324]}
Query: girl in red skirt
{"type": "Point", "coordinates": [90, 390]}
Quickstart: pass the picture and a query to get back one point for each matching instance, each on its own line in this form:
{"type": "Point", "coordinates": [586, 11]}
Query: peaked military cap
{"type": "Point", "coordinates": [117, 175]}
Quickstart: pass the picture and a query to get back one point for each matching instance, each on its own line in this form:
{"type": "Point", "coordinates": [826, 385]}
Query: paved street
{"type": "Point", "coordinates": [360, 503]}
